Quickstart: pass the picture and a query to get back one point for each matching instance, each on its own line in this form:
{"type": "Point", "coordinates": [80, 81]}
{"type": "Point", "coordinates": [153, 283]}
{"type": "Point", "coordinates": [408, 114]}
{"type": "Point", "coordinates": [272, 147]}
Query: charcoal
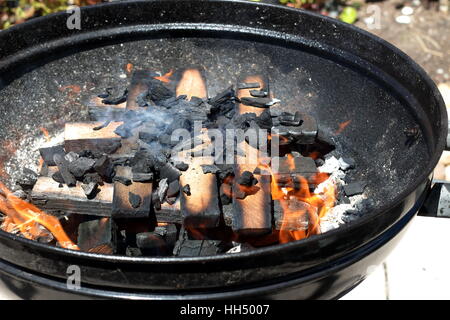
{"type": "Point", "coordinates": [123, 131]}
{"type": "Point", "coordinates": [344, 200]}
{"type": "Point", "coordinates": [195, 248]}
{"type": "Point", "coordinates": [134, 199]}
{"type": "Point", "coordinates": [142, 162]}
{"type": "Point", "coordinates": [141, 99]}
{"type": "Point", "coordinates": [241, 247]}
{"type": "Point", "coordinates": [324, 144]}
{"type": "Point", "coordinates": [171, 200]}
{"type": "Point", "coordinates": [27, 179]}
{"type": "Point", "coordinates": [347, 163]}
{"type": "Point", "coordinates": [178, 123]}
{"type": "Point", "coordinates": [122, 179]}
{"type": "Point", "coordinates": [148, 137]}
{"type": "Point", "coordinates": [48, 153]}
{"type": "Point", "coordinates": [288, 119]}
{"type": "Point", "coordinates": [221, 98]}
{"type": "Point", "coordinates": [319, 162]}
{"type": "Point", "coordinates": [169, 232]}
{"type": "Point", "coordinates": [196, 101]}
{"type": "Point", "coordinates": [210, 168]}
{"type": "Point", "coordinates": [166, 139]}
{"type": "Point", "coordinates": [101, 126]}
{"type": "Point", "coordinates": [89, 154]}
{"type": "Point", "coordinates": [158, 92]}
{"type": "Point", "coordinates": [181, 166]}
{"type": "Point", "coordinates": [115, 100]}
{"type": "Point", "coordinates": [156, 201]}
{"type": "Point", "coordinates": [247, 179]}
{"type": "Point", "coordinates": [20, 194]}
{"type": "Point", "coordinates": [248, 85]}
{"type": "Point", "coordinates": [174, 189]}
{"type": "Point", "coordinates": [81, 166]}
{"type": "Point", "coordinates": [169, 172]}
{"type": "Point", "coordinates": [186, 189]}
{"type": "Point", "coordinates": [57, 176]}
{"type": "Point", "coordinates": [354, 188]}
{"type": "Point", "coordinates": [275, 112]}
{"type": "Point", "coordinates": [239, 194]}
{"type": "Point", "coordinates": [264, 120]}
{"type": "Point", "coordinates": [225, 171]}
{"type": "Point", "coordinates": [63, 167]}
{"type": "Point", "coordinates": [133, 252]}
{"type": "Point", "coordinates": [71, 156]}
{"type": "Point", "coordinates": [162, 189]}
{"type": "Point", "coordinates": [98, 235]}
{"type": "Point", "coordinates": [259, 93]}
{"type": "Point", "coordinates": [90, 190]}
{"type": "Point", "coordinates": [142, 177]}
{"type": "Point", "coordinates": [105, 168]}
{"type": "Point", "coordinates": [152, 244]}
{"type": "Point", "coordinates": [92, 177]}
{"type": "Point", "coordinates": [258, 102]}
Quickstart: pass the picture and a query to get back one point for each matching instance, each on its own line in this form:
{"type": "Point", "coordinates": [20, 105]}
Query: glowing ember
{"type": "Point", "coordinates": [165, 78]}
{"type": "Point", "coordinates": [25, 217]}
{"type": "Point", "coordinates": [342, 126]}
{"type": "Point", "coordinates": [45, 133]}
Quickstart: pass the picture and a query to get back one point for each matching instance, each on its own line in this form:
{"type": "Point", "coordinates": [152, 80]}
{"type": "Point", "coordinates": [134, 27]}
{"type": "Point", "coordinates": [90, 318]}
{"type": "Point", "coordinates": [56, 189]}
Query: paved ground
{"type": "Point", "coordinates": [417, 269]}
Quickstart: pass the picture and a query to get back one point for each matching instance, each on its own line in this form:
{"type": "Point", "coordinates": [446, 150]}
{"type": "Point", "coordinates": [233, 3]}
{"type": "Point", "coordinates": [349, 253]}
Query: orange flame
{"type": "Point", "coordinates": [46, 134]}
{"type": "Point", "coordinates": [165, 78]}
{"type": "Point", "coordinates": [342, 126]}
{"type": "Point", "coordinates": [129, 68]}
{"type": "Point", "coordinates": [26, 216]}
{"type": "Point", "coordinates": [319, 204]}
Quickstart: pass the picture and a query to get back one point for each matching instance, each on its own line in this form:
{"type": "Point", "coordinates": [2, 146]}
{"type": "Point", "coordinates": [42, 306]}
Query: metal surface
{"type": "Point", "coordinates": [327, 68]}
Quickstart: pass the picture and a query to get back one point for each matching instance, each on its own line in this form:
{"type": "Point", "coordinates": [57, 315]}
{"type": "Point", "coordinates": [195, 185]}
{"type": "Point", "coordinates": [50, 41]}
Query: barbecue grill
{"type": "Point", "coordinates": [318, 65]}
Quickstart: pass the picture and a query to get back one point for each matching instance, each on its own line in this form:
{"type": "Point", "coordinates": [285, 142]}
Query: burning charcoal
{"type": "Point", "coordinates": [222, 98]}
{"type": "Point", "coordinates": [123, 131]}
{"type": "Point", "coordinates": [258, 93]}
{"type": "Point", "coordinates": [63, 167]}
{"type": "Point", "coordinates": [117, 99]}
{"type": "Point", "coordinates": [81, 166]}
{"type": "Point", "coordinates": [98, 235]}
{"type": "Point", "coordinates": [248, 85]}
{"type": "Point", "coordinates": [162, 189]}
{"type": "Point", "coordinates": [158, 92]}
{"type": "Point", "coordinates": [133, 252]}
{"type": "Point", "coordinates": [20, 194]}
{"type": "Point", "coordinates": [134, 199]}
{"type": "Point", "coordinates": [186, 189]}
{"type": "Point", "coordinates": [90, 190]}
{"type": "Point", "coordinates": [169, 232]}
{"type": "Point", "coordinates": [210, 168]}
{"type": "Point", "coordinates": [347, 163]}
{"type": "Point", "coordinates": [258, 102]}
{"type": "Point", "coordinates": [287, 119]}
{"type": "Point", "coordinates": [71, 156]}
{"type": "Point", "coordinates": [354, 188]}
{"type": "Point", "coordinates": [48, 153]}
{"type": "Point", "coordinates": [181, 166]}
{"type": "Point", "coordinates": [247, 179]}
{"type": "Point", "coordinates": [104, 167]}
{"type": "Point", "coordinates": [174, 189]}
{"type": "Point", "coordinates": [142, 177]}
{"type": "Point", "coordinates": [28, 179]}
{"type": "Point", "coordinates": [152, 244]}
{"type": "Point", "coordinates": [169, 172]}
{"type": "Point", "coordinates": [92, 177]}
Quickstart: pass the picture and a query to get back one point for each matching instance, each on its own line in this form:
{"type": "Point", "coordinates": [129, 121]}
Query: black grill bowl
{"type": "Point", "coordinates": [330, 69]}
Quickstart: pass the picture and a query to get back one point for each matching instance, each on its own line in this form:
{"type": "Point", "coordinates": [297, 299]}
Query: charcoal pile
{"type": "Point", "coordinates": [156, 172]}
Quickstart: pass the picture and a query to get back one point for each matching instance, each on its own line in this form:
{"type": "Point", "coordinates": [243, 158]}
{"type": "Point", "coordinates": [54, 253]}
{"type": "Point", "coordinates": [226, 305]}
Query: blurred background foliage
{"type": "Point", "coordinates": [17, 11]}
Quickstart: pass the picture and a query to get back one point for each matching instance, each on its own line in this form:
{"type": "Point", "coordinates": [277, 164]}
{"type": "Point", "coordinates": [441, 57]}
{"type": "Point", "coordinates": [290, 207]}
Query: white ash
{"type": "Point", "coordinates": [240, 247]}
{"type": "Point", "coordinates": [27, 155]}
{"type": "Point", "coordinates": [341, 213]}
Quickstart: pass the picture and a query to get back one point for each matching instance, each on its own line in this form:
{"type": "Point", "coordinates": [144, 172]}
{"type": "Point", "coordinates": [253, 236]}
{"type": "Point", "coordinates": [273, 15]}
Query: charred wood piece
{"type": "Point", "coordinates": [98, 235]}
{"type": "Point", "coordinates": [81, 166]}
{"type": "Point", "coordinates": [248, 85]}
{"type": "Point", "coordinates": [259, 93]}
{"type": "Point", "coordinates": [90, 190]}
{"type": "Point", "coordinates": [258, 102]}
{"type": "Point", "coordinates": [27, 179]}
{"type": "Point", "coordinates": [63, 167]}
{"type": "Point", "coordinates": [354, 188]}
{"type": "Point", "coordinates": [105, 168]}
